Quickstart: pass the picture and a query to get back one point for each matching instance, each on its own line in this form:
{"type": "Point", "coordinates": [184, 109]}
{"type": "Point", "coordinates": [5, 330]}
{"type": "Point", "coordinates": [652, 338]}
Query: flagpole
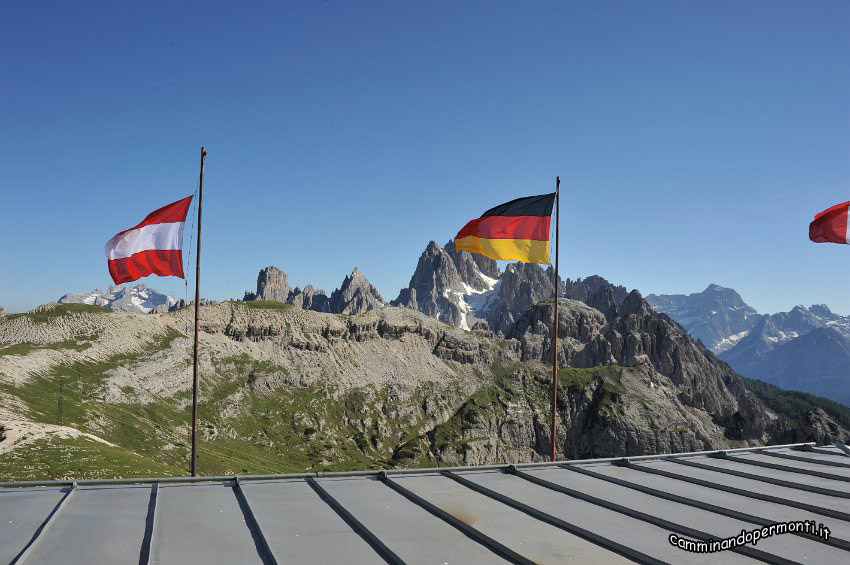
{"type": "Point", "coordinates": [197, 306]}
{"type": "Point", "coordinates": [555, 331]}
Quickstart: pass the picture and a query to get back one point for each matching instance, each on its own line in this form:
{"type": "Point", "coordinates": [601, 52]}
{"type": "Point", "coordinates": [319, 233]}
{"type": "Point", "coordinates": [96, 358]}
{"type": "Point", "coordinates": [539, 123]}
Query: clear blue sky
{"type": "Point", "coordinates": [695, 140]}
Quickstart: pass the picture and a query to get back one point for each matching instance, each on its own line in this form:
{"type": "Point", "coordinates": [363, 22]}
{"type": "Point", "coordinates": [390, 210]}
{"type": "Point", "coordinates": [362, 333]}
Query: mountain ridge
{"type": "Point", "coordinates": [803, 349]}
{"type": "Point", "coordinates": [294, 389]}
{"type": "Point", "coordinates": [138, 298]}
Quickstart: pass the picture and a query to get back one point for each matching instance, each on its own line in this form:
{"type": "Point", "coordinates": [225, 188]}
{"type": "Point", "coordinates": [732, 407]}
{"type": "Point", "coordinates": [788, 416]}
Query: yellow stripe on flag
{"type": "Point", "coordinates": [526, 250]}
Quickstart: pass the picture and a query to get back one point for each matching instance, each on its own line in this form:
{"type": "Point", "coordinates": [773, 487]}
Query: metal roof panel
{"type": "Point", "coordinates": [300, 528]}
{"type": "Point", "coordinates": [527, 513]}
{"type": "Point", "coordinates": [22, 511]}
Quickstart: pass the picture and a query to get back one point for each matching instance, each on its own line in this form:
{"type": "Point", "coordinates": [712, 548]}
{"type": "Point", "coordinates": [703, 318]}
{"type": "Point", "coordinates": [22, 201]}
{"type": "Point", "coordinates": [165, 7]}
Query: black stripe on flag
{"type": "Point", "coordinates": [527, 206]}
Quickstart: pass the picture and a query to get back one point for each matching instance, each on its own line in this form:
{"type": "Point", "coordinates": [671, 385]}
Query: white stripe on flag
{"type": "Point", "coordinates": [153, 236]}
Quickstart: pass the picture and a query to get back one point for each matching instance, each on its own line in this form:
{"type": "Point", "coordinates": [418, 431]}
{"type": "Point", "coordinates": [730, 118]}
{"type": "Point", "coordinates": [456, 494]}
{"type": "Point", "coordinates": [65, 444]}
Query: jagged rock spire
{"type": "Point", "coordinates": [355, 295]}
{"type": "Point", "coordinates": [436, 287]}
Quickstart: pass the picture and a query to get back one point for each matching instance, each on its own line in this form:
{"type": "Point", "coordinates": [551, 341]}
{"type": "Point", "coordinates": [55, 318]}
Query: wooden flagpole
{"type": "Point", "coordinates": [197, 307]}
{"type": "Point", "coordinates": [555, 331]}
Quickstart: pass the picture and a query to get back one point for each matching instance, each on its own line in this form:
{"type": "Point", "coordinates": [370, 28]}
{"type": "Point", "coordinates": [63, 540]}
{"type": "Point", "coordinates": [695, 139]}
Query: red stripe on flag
{"type": "Point", "coordinates": [174, 212]}
{"type": "Point", "coordinates": [830, 226]}
{"type": "Point", "coordinates": [508, 227]}
{"type": "Point", "coordinates": [162, 262]}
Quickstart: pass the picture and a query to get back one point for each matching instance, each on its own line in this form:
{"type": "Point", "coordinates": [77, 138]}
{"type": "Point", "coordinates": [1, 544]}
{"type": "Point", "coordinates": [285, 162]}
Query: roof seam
{"type": "Point", "coordinates": [654, 520]}
{"type": "Point", "coordinates": [577, 531]}
{"type": "Point", "coordinates": [370, 538]}
{"type": "Point", "coordinates": [470, 532]}
{"type": "Point", "coordinates": [832, 541]}
{"type": "Point", "coordinates": [41, 532]}
{"type": "Point", "coordinates": [264, 551]}
{"type": "Point", "coordinates": [741, 492]}
{"type": "Point", "coordinates": [146, 552]}
{"type": "Point", "coordinates": [764, 479]}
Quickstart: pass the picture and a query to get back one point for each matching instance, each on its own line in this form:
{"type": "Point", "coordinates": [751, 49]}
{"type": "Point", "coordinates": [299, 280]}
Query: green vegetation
{"type": "Point", "coordinates": [60, 310]}
{"type": "Point", "coordinates": [524, 382]}
{"type": "Point", "coordinates": [74, 394]}
{"type": "Point", "coordinates": [611, 387]}
{"type": "Point", "coordinates": [27, 348]}
{"type": "Point", "coordinates": [57, 457]}
{"type": "Point", "coordinates": [278, 428]}
{"type": "Point", "coordinates": [255, 418]}
{"type": "Point", "coordinates": [795, 404]}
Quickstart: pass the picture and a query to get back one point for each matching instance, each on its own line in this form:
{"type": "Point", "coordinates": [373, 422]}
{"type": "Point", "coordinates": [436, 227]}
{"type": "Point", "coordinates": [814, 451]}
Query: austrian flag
{"type": "Point", "coordinates": [154, 247]}
{"type": "Point", "coordinates": [830, 226]}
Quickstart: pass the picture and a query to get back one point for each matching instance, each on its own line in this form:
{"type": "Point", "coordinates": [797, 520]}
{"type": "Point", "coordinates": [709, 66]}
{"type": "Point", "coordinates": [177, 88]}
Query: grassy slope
{"type": "Point", "coordinates": [272, 429]}
{"type": "Point", "coordinates": [59, 458]}
{"type": "Point", "coordinates": [60, 310]}
{"type": "Point", "coordinates": [281, 428]}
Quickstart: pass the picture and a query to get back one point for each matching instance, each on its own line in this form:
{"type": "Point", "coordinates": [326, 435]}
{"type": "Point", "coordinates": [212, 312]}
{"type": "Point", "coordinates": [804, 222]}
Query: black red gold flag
{"type": "Point", "coordinates": [517, 230]}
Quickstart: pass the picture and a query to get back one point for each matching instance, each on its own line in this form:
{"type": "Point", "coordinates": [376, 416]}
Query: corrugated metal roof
{"type": "Point", "coordinates": [610, 510]}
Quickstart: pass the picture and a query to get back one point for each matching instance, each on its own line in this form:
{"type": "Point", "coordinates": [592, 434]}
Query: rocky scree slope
{"type": "Point", "coordinates": [286, 389]}
{"type": "Point", "coordinates": [680, 377]}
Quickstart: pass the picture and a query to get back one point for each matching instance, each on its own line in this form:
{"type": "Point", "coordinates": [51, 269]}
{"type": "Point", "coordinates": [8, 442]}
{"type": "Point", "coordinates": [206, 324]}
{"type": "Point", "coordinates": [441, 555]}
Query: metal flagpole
{"type": "Point", "coordinates": [555, 331]}
{"type": "Point", "coordinates": [197, 306]}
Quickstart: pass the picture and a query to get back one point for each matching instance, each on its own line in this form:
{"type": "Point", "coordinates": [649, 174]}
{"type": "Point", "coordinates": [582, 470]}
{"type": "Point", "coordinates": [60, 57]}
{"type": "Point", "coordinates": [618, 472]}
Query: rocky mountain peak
{"type": "Point", "coordinates": [476, 271]}
{"type": "Point", "coordinates": [604, 301]}
{"type": "Point", "coordinates": [309, 299]}
{"type": "Point", "coordinates": [821, 310]}
{"type": "Point", "coordinates": [635, 304]}
{"type": "Point", "coordinates": [717, 316]}
{"type": "Point", "coordinates": [694, 377]}
{"type": "Point", "coordinates": [355, 295]}
{"type": "Point", "coordinates": [139, 299]}
{"type": "Point", "coordinates": [436, 287]}
{"type": "Point", "coordinates": [520, 286]}
{"type": "Point", "coordinates": [272, 284]}
{"type": "Point", "coordinates": [584, 289]}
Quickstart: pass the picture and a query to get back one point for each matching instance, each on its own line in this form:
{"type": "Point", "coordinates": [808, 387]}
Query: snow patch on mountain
{"type": "Point", "coordinates": [729, 341]}
{"type": "Point", "coordinates": [138, 299]}
{"type": "Point", "coordinates": [782, 337]}
{"type": "Point", "coordinates": [477, 302]}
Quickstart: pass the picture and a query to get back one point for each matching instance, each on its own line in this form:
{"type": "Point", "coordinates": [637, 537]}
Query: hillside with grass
{"type": "Point", "coordinates": [89, 392]}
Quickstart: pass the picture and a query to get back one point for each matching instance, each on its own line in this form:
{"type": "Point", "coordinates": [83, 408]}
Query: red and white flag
{"type": "Point", "coordinates": [154, 247]}
{"type": "Point", "coordinates": [830, 226]}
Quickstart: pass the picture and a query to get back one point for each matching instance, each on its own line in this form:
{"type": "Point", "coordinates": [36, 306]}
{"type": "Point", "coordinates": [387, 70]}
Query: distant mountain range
{"type": "Point", "coordinates": [138, 298]}
{"type": "Point", "coordinates": [806, 349]}
{"type": "Point", "coordinates": [462, 289]}
{"type": "Point", "coordinates": [455, 370]}
{"type": "Point", "coordinates": [716, 316]}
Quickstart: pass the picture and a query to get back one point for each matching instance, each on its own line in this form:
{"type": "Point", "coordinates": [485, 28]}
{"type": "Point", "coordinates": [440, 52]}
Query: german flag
{"type": "Point", "coordinates": [516, 230]}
